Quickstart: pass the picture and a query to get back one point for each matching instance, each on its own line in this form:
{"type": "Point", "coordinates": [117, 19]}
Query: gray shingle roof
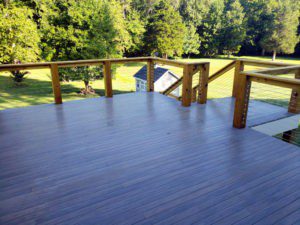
{"type": "Point", "coordinates": [158, 72]}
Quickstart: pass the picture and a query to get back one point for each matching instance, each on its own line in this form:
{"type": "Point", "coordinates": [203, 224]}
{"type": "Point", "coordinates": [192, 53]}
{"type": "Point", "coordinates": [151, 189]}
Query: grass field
{"type": "Point", "coordinates": [37, 89]}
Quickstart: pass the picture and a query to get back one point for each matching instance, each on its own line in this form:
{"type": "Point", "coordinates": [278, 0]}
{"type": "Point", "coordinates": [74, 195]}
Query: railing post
{"type": "Point", "coordinates": [56, 83]}
{"type": "Point", "coordinates": [187, 85]}
{"type": "Point", "coordinates": [108, 79]}
{"type": "Point", "coordinates": [150, 75]}
{"type": "Point", "coordinates": [239, 67]}
{"type": "Point", "coordinates": [241, 101]}
{"type": "Point", "coordinates": [294, 104]}
{"type": "Point", "coordinates": [194, 95]}
{"type": "Point", "coordinates": [203, 83]}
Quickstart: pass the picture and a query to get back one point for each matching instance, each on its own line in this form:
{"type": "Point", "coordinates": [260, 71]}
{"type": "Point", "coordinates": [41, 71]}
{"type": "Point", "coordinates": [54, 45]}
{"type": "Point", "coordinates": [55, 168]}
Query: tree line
{"type": "Point", "coordinates": [51, 30]}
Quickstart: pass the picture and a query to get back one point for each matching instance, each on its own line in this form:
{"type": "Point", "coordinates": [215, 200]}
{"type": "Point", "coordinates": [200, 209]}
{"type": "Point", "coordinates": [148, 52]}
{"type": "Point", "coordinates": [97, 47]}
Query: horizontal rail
{"type": "Point", "coordinates": [176, 63]}
{"type": "Point", "coordinates": [278, 71]}
{"type": "Point", "coordinates": [272, 80]}
{"type": "Point", "coordinates": [31, 66]}
{"type": "Point", "coordinates": [245, 79]}
{"type": "Point", "coordinates": [90, 62]}
{"type": "Point", "coordinates": [188, 68]}
{"type": "Point", "coordinates": [243, 62]}
{"type": "Point", "coordinates": [251, 62]}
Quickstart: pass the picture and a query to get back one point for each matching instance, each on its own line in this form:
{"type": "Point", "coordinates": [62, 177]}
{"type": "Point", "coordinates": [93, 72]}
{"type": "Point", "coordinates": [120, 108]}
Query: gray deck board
{"type": "Point", "coordinates": [143, 159]}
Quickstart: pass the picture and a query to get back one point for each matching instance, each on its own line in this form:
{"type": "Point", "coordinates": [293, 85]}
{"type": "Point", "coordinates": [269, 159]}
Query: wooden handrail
{"type": "Point", "coordinates": [278, 71]}
{"type": "Point", "coordinates": [74, 63]}
{"type": "Point", "coordinates": [172, 87]}
{"type": "Point", "coordinates": [239, 67]}
{"type": "Point", "coordinates": [272, 80]}
{"type": "Point", "coordinates": [244, 88]}
{"type": "Point", "coordinates": [176, 63]}
{"type": "Point", "coordinates": [53, 66]}
{"type": "Point", "coordinates": [261, 63]}
{"type": "Point", "coordinates": [219, 73]}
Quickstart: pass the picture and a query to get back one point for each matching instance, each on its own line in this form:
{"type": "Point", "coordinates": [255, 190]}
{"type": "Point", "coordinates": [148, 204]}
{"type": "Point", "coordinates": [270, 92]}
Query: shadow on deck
{"type": "Point", "coordinates": [142, 158]}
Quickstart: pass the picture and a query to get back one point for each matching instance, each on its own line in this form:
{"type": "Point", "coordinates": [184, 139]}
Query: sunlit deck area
{"type": "Point", "coordinates": [142, 158]}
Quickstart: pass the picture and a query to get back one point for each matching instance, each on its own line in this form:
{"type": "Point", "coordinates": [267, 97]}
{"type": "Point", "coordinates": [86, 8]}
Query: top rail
{"type": "Point", "coordinates": [74, 63]}
{"type": "Point", "coordinates": [278, 71]}
{"type": "Point", "coordinates": [261, 63]}
{"type": "Point", "coordinates": [90, 62]}
{"type": "Point", "coordinates": [268, 77]}
{"type": "Point", "coordinates": [272, 80]}
{"type": "Point", "coordinates": [188, 68]}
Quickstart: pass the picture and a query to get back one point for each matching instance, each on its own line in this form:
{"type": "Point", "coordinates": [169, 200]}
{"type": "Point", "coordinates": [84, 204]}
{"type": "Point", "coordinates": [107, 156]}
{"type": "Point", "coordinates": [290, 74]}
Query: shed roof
{"type": "Point", "coordinates": [158, 73]}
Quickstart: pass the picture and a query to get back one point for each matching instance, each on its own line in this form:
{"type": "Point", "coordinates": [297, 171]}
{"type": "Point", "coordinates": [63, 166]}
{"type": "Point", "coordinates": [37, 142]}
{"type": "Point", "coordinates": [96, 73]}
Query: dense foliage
{"type": "Point", "coordinates": [33, 30]}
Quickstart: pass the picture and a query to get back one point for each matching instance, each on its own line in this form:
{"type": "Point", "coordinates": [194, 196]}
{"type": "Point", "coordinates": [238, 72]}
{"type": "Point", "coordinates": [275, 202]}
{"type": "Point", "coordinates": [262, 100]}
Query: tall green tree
{"type": "Point", "coordinates": [135, 26]}
{"type": "Point", "coordinates": [107, 35]}
{"type": "Point", "coordinates": [136, 29]}
{"type": "Point", "coordinates": [210, 28]}
{"type": "Point", "coordinates": [280, 30]}
{"type": "Point", "coordinates": [191, 42]}
{"type": "Point", "coordinates": [194, 11]}
{"type": "Point", "coordinates": [19, 37]}
{"type": "Point", "coordinates": [72, 29]}
{"type": "Point", "coordinates": [255, 20]}
{"type": "Point", "coordinates": [233, 30]}
{"type": "Point", "coordinates": [164, 31]}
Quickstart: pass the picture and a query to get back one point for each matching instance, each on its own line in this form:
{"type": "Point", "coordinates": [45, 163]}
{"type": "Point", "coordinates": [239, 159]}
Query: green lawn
{"type": "Point", "coordinates": [37, 87]}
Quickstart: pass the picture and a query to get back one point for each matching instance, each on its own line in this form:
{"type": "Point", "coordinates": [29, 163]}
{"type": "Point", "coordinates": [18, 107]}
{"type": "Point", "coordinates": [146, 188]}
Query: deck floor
{"type": "Point", "coordinates": [144, 159]}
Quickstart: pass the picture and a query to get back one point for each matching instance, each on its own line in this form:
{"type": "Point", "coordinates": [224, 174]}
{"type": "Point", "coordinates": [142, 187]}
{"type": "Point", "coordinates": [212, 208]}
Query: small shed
{"type": "Point", "coordinates": [163, 78]}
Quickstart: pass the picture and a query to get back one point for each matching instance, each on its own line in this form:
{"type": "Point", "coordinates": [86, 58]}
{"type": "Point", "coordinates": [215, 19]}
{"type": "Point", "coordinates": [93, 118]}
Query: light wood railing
{"type": "Point", "coordinates": [267, 76]}
{"type": "Point", "coordinates": [189, 69]}
{"type": "Point", "coordinates": [237, 65]}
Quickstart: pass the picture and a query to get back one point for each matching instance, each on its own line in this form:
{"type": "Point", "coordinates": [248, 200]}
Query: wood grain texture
{"type": "Point", "coordinates": [56, 84]}
{"type": "Point", "coordinates": [187, 80]}
{"type": "Point", "coordinates": [294, 104]}
{"type": "Point", "coordinates": [144, 159]}
{"type": "Point", "coordinates": [239, 67]}
{"type": "Point", "coordinates": [108, 79]}
{"type": "Point", "coordinates": [242, 92]}
{"type": "Point", "coordinates": [261, 63]}
{"type": "Point", "coordinates": [150, 76]}
{"type": "Point", "coordinates": [203, 84]}
{"type": "Point", "coordinates": [272, 80]}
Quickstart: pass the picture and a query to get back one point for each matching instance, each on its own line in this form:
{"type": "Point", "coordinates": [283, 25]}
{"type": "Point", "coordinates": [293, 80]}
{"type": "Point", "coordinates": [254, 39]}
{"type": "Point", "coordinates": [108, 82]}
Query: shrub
{"type": "Point", "coordinates": [18, 76]}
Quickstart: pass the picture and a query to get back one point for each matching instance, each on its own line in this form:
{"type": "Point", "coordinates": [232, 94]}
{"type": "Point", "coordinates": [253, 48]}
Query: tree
{"type": "Point", "coordinates": [210, 28]}
{"type": "Point", "coordinates": [280, 32]}
{"type": "Point", "coordinates": [144, 7]}
{"type": "Point", "coordinates": [105, 37]}
{"type": "Point", "coordinates": [136, 29]}
{"type": "Point", "coordinates": [191, 42]}
{"type": "Point", "coordinates": [19, 37]}
{"type": "Point", "coordinates": [164, 31]}
{"type": "Point", "coordinates": [233, 30]}
{"type": "Point", "coordinates": [85, 74]}
{"type": "Point", "coordinates": [194, 11]}
{"type": "Point", "coordinates": [255, 19]}
{"type": "Point", "coordinates": [72, 29]}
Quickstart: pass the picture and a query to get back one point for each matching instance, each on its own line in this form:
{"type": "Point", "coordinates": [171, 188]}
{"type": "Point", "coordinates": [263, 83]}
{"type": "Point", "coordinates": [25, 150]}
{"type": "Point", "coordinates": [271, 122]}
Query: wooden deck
{"type": "Point", "coordinates": [144, 159]}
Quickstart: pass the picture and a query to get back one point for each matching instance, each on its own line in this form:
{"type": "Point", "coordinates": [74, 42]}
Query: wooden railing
{"type": "Point", "coordinates": [237, 65]}
{"type": "Point", "coordinates": [243, 89]}
{"type": "Point", "coordinates": [189, 69]}
{"type": "Point", "coordinates": [241, 84]}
